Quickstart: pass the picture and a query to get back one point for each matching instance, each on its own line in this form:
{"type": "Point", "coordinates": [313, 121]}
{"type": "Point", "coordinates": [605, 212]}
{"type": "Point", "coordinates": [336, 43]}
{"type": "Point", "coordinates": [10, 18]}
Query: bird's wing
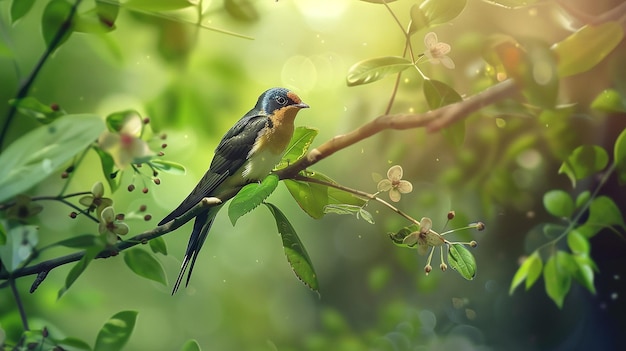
{"type": "Point", "coordinates": [231, 153]}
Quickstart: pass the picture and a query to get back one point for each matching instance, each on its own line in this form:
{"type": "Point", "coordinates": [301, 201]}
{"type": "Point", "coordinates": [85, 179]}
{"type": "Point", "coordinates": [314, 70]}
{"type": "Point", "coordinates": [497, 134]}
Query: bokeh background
{"type": "Point", "coordinates": [194, 83]}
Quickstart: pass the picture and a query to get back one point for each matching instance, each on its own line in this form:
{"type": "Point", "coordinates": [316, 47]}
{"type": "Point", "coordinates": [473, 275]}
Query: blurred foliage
{"type": "Point", "coordinates": [135, 95]}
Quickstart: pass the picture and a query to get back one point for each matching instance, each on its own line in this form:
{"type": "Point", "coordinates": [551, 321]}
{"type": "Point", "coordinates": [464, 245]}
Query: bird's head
{"type": "Point", "coordinates": [276, 99]}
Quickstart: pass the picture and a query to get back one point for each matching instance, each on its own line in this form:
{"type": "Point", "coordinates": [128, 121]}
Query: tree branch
{"type": "Point", "coordinates": [432, 120]}
{"type": "Point", "coordinates": [142, 238]}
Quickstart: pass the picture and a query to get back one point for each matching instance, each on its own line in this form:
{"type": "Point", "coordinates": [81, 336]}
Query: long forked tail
{"type": "Point", "coordinates": [200, 231]}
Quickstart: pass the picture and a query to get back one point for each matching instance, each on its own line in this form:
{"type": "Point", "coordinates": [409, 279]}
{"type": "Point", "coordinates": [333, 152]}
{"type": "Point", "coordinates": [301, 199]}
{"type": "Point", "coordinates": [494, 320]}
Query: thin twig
{"type": "Point", "coordinates": [27, 84]}
{"type": "Point", "coordinates": [20, 305]}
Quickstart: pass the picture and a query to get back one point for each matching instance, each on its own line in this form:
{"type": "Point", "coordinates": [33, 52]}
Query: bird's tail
{"type": "Point", "coordinates": [201, 228]}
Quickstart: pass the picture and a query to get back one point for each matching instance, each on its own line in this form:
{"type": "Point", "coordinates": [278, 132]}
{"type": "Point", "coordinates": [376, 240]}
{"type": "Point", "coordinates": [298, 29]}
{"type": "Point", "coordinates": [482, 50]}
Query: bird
{"type": "Point", "coordinates": [247, 153]}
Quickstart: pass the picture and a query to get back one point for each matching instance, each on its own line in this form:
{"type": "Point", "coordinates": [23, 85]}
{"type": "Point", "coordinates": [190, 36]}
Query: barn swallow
{"type": "Point", "coordinates": [248, 152]}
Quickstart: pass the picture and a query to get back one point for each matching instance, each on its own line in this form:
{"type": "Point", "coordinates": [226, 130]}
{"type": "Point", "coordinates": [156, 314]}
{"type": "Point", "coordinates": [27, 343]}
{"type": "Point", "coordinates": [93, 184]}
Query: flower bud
{"type": "Point", "coordinates": [147, 217]}
{"type": "Point", "coordinates": [428, 268]}
{"type": "Point", "coordinates": [73, 214]}
{"type": "Point", "coordinates": [480, 226]}
{"type": "Point", "coordinates": [443, 266]}
{"type": "Point", "coordinates": [144, 190]}
{"type": "Point", "coordinates": [143, 208]}
{"type": "Point", "coordinates": [131, 187]}
{"type": "Point", "coordinates": [451, 215]}
{"type": "Point", "coordinates": [473, 243]}
{"type": "Point", "coordinates": [157, 181]}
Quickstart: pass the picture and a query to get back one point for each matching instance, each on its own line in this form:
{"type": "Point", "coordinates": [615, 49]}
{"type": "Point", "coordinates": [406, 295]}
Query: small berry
{"type": "Point", "coordinates": [73, 214]}
{"type": "Point", "coordinates": [157, 181]}
{"type": "Point", "coordinates": [147, 217]}
{"type": "Point", "coordinates": [131, 187]}
{"type": "Point", "coordinates": [144, 190]}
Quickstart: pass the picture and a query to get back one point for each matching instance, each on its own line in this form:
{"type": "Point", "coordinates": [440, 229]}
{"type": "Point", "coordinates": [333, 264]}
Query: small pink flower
{"type": "Point", "coordinates": [436, 51]}
{"type": "Point", "coordinates": [126, 146]}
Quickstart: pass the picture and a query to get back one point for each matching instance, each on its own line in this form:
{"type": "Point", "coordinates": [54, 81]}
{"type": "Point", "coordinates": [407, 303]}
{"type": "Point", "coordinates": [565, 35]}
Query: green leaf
{"type": "Point", "coordinates": [604, 212]}
{"type": "Point", "coordinates": [399, 236]}
{"type": "Point", "coordinates": [609, 101]}
{"type": "Point", "coordinates": [587, 47]}
{"type": "Point", "coordinates": [108, 165]}
{"type": "Point", "coordinates": [439, 94]}
{"type": "Point", "coordinates": [585, 272]}
{"type": "Point", "coordinates": [19, 8]}
{"type": "Point", "coordinates": [19, 241]}
{"type": "Point", "coordinates": [365, 215]}
{"type": "Point", "coordinates": [157, 245]}
{"type": "Point", "coordinates": [191, 345]}
{"type": "Point", "coordinates": [558, 203]}
{"type": "Point", "coordinates": [39, 153]}
{"type": "Point", "coordinates": [462, 260]}
{"type": "Point", "coordinates": [79, 242]}
{"type": "Point", "coordinates": [79, 268]}
{"type": "Point", "coordinates": [158, 5]}
{"type": "Point", "coordinates": [578, 243]}
{"type": "Point", "coordinates": [294, 249]}
{"type": "Point", "coordinates": [558, 277]}
{"type": "Point", "coordinates": [371, 70]}
{"type": "Point", "coordinates": [298, 146]}
{"type": "Point", "coordinates": [530, 270]}
{"type": "Point", "coordinates": [116, 331]}
{"type": "Point", "coordinates": [433, 12]}
{"type": "Point", "coordinates": [583, 162]}
{"type": "Point", "coordinates": [251, 196]}
{"type": "Point", "coordinates": [168, 166]}
{"type": "Point", "coordinates": [107, 11]}
{"type": "Point", "coordinates": [74, 344]}
{"type": "Point", "coordinates": [30, 106]}
{"type": "Point", "coordinates": [3, 234]}
{"type": "Point", "coordinates": [116, 120]}
{"type": "Point", "coordinates": [145, 265]}
{"type": "Point", "coordinates": [582, 198]}
{"type": "Point", "coordinates": [343, 209]}
{"type": "Point", "coordinates": [619, 156]}
{"type": "Point", "coordinates": [313, 197]}
{"type": "Point", "coordinates": [242, 10]}
{"type": "Point", "coordinates": [54, 19]}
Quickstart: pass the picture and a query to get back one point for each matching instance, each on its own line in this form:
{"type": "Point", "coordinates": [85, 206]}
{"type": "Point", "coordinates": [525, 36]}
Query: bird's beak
{"type": "Point", "coordinates": [302, 105]}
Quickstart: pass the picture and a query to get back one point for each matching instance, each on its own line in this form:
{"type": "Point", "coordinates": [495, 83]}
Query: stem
{"type": "Point", "coordinates": [361, 194]}
{"type": "Point", "coordinates": [27, 84]}
{"type": "Point", "coordinates": [20, 305]}
{"type": "Point", "coordinates": [71, 175]}
{"type": "Point", "coordinates": [583, 209]}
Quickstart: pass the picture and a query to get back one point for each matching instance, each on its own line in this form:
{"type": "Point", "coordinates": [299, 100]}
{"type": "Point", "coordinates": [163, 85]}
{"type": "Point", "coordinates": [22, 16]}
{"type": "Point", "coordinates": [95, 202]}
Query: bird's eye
{"type": "Point", "coordinates": [281, 100]}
